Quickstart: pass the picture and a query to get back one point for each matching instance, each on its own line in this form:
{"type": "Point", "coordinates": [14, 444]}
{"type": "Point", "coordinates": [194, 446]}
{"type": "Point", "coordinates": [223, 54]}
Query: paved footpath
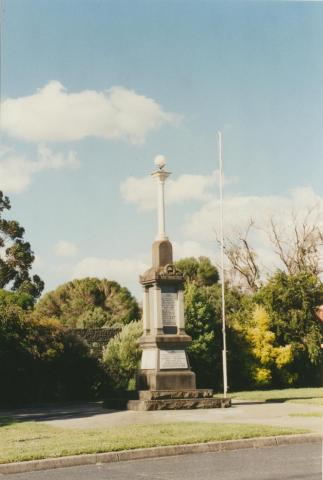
{"type": "Point", "coordinates": [91, 415]}
{"type": "Point", "coordinates": [288, 462]}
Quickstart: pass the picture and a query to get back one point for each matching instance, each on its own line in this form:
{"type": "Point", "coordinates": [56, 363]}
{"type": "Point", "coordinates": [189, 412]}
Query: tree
{"type": "Point", "coordinates": [89, 302]}
{"type": "Point", "coordinates": [291, 302]}
{"type": "Point", "coordinates": [244, 259]}
{"type": "Point", "coordinates": [301, 251]}
{"type": "Point", "coordinates": [299, 248]}
{"type": "Point", "coordinates": [204, 325]}
{"type": "Point", "coordinates": [198, 270]}
{"type": "Point", "coordinates": [16, 256]}
{"type": "Point", "coordinates": [21, 299]}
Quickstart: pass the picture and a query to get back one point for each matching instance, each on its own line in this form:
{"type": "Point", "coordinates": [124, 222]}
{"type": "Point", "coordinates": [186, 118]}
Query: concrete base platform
{"type": "Point", "coordinates": [148, 400]}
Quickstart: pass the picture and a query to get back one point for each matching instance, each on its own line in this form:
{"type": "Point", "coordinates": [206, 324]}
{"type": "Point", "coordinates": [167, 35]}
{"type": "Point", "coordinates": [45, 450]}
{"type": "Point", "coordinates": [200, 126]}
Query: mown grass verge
{"type": "Point", "coordinates": [20, 441]}
{"type": "Point", "coordinates": [299, 395]}
{"type": "Point", "coordinates": [307, 401]}
{"type": "Point", "coordinates": [306, 414]}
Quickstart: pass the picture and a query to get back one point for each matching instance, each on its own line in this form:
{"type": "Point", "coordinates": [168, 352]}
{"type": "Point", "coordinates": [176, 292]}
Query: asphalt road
{"type": "Point", "coordinates": [290, 462]}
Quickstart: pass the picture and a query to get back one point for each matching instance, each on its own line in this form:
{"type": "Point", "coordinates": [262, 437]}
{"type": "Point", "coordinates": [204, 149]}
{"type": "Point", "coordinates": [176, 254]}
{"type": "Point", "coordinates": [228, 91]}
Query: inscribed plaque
{"type": "Point", "coordinates": [172, 359]}
{"type": "Point", "coordinates": [168, 304]}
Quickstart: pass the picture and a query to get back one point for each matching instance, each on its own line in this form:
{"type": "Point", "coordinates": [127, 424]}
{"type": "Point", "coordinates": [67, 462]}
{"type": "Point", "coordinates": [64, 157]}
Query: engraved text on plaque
{"type": "Point", "coordinates": [172, 359]}
{"type": "Point", "coordinates": [168, 304]}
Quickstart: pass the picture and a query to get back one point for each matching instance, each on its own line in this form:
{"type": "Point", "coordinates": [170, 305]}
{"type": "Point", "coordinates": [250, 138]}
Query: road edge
{"type": "Point", "coordinates": [141, 453]}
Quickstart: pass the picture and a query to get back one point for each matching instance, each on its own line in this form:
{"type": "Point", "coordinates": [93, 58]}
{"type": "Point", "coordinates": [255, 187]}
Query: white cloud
{"type": "Point", "coordinates": [49, 160]}
{"type": "Point", "coordinates": [142, 191]}
{"type": "Point", "coordinates": [15, 173]}
{"type": "Point", "coordinates": [191, 248]}
{"type": "Point", "coordinates": [126, 271]}
{"type": "Point", "coordinates": [53, 114]}
{"type": "Point", "coordinates": [65, 249]}
{"type": "Point", "coordinates": [38, 262]}
{"type": "Point", "coordinates": [16, 170]}
{"type": "Point", "coordinates": [238, 210]}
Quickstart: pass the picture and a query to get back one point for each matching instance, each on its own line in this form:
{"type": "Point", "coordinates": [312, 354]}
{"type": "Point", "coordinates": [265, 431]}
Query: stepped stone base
{"type": "Point", "coordinates": [177, 404]}
{"type": "Point", "coordinates": [168, 400]}
{"type": "Point", "coordinates": [173, 394]}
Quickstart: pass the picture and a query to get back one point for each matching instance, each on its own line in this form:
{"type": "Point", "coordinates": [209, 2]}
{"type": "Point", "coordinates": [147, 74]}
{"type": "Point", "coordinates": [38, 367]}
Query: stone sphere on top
{"type": "Point", "coordinates": [160, 161]}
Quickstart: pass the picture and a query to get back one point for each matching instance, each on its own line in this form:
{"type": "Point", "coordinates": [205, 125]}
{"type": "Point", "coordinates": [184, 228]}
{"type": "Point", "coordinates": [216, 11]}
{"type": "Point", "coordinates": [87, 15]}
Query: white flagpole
{"type": "Point", "coordinates": [224, 351]}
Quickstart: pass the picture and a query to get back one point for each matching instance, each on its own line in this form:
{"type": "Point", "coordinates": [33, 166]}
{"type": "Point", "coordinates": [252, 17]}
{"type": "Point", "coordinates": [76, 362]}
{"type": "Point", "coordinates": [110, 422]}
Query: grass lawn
{"type": "Point", "coordinates": [299, 395]}
{"type": "Point", "coordinates": [23, 440]}
{"type": "Point", "coordinates": [307, 401]}
{"type": "Point", "coordinates": [306, 414]}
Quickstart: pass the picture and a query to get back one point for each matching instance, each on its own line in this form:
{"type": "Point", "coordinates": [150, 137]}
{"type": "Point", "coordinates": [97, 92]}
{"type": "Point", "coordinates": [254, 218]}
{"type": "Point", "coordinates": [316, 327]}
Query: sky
{"type": "Point", "coordinates": [93, 90]}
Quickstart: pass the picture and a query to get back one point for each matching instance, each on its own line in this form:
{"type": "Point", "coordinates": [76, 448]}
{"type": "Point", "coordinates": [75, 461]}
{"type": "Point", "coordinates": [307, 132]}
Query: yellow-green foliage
{"type": "Point", "coordinates": [262, 376]}
{"type": "Point", "coordinates": [263, 349]}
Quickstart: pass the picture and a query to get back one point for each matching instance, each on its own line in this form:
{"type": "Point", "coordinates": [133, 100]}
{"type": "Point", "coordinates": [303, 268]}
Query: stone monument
{"type": "Point", "coordinates": [165, 379]}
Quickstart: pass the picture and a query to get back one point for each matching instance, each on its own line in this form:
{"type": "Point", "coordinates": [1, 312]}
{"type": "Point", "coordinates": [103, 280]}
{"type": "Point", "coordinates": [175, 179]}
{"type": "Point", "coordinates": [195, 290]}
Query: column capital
{"type": "Point", "coordinates": [160, 175]}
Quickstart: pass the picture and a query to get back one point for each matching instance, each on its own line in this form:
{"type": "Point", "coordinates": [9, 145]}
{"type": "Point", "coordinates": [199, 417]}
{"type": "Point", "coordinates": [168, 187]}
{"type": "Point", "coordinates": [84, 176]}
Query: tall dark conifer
{"type": "Point", "coordinates": [16, 256]}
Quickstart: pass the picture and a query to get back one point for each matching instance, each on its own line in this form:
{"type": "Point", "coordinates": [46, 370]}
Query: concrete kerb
{"type": "Point", "coordinates": [154, 452]}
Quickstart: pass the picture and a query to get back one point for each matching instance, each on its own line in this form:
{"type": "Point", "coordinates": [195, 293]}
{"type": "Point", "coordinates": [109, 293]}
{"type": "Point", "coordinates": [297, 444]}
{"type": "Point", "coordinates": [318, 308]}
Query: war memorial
{"type": "Point", "coordinates": [165, 379]}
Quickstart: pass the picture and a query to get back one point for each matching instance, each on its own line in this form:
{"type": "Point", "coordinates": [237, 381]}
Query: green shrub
{"type": "Point", "coordinates": [122, 355]}
{"type": "Point", "coordinates": [41, 361]}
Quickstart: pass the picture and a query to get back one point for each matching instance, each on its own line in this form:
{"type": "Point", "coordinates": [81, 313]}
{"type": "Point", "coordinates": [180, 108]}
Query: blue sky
{"type": "Point", "coordinates": [143, 78]}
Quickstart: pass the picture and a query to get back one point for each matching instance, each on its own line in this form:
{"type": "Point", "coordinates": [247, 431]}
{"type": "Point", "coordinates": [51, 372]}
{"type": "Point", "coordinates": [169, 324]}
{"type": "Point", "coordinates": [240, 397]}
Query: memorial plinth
{"type": "Point", "coordinates": [164, 363]}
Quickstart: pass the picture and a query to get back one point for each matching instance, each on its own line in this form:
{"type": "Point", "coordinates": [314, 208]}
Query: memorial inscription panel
{"type": "Point", "coordinates": [172, 359]}
{"type": "Point", "coordinates": [168, 304]}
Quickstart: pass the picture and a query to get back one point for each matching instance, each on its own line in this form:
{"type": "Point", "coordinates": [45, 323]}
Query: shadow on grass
{"type": "Point", "coordinates": [287, 399]}
{"type": "Point", "coordinates": [239, 401]}
{"type": "Point", "coordinates": [50, 412]}
{"type": "Point", "coordinates": [5, 421]}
